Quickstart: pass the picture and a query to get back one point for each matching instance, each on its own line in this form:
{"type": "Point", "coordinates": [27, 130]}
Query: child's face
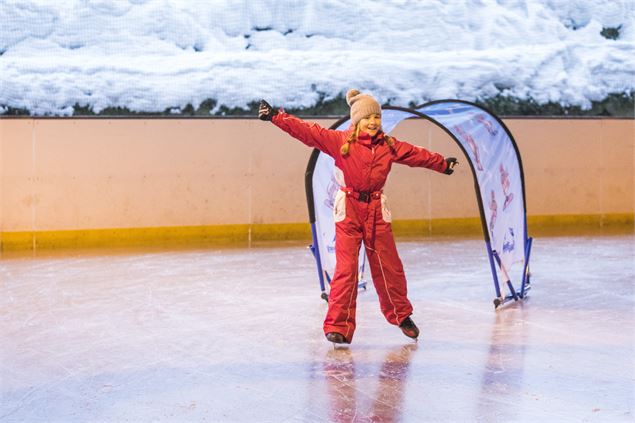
{"type": "Point", "coordinates": [371, 124]}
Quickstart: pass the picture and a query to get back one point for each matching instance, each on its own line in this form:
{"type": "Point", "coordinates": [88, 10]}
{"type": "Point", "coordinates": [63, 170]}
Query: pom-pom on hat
{"type": "Point", "coordinates": [361, 105]}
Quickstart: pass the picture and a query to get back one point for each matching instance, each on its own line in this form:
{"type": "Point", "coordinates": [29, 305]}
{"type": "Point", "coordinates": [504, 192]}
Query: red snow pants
{"type": "Point", "coordinates": [358, 219]}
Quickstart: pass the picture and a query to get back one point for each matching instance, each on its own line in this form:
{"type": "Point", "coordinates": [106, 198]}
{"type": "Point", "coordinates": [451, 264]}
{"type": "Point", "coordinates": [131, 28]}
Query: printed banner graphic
{"type": "Point", "coordinates": [496, 166]}
{"type": "Point", "coordinates": [498, 176]}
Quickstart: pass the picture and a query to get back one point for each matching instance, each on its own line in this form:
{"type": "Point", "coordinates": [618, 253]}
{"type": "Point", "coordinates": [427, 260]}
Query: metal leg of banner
{"type": "Point", "coordinates": [490, 254]}
{"type": "Point", "coordinates": [316, 253]}
{"type": "Point", "coordinates": [361, 283]}
{"type": "Point", "coordinates": [508, 282]}
{"type": "Point", "coordinates": [524, 288]}
{"type": "Point", "coordinates": [512, 290]}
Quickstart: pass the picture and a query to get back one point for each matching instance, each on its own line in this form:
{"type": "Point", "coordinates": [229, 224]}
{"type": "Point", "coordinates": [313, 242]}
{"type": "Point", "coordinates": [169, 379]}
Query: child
{"type": "Point", "coordinates": [363, 157]}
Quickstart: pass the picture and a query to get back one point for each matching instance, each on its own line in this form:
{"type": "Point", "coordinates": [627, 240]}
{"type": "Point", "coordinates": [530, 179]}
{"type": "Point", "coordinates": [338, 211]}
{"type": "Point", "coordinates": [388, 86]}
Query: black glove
{"type": "Point", "coordinates": [451, 162]}
{"type": "Point", "coordinates": [265, 111]}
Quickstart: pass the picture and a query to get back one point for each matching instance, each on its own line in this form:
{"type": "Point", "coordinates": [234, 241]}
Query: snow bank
{"type": "Point", "coordinates": [151, 55]}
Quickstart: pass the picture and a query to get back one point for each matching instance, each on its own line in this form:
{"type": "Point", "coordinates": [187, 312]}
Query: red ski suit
{"type": "Point", "coordinates": [361, 213]}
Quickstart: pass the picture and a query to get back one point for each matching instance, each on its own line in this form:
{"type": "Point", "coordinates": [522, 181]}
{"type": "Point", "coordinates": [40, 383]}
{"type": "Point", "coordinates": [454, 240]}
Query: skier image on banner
{"type": "Point", "coordinates": [481, 119]}
{"type": "Point", "coordinates": [331, 246]}
{"type": "Point", "coordinates": [493, 207]}
{"type": "Point", "coordinates": [363, 156]}
{"type": "Point", "coordinates": [470, 141]}
{"type": "Point", "coordinates": [509, 242]}
{"type": "Point", "coordinates": [332, 189]}
{"type": "Point", "coordinates": [509, 196]}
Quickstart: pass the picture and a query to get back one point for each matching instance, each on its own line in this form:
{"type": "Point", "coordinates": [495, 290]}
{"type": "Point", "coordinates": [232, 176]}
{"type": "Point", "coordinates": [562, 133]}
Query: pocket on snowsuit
{"type": "Point", "coordinates": [385, 211]}
{"type": "Point", "coordinates": [339, 206]}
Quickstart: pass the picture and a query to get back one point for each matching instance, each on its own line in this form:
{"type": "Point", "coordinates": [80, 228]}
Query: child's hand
{"type": "Point", "coordinates": [451, 161]}
{"type": "Point", "coordinates": [265, 111]}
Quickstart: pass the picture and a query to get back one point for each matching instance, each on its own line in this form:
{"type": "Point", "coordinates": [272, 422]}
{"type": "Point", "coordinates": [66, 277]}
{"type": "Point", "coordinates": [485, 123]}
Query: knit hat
{"type": "Point", "coordinates": [361, 105]}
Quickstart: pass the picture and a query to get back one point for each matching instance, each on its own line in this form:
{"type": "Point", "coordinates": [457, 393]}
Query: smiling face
{"type": "Point", "coordinates": [370, 124]}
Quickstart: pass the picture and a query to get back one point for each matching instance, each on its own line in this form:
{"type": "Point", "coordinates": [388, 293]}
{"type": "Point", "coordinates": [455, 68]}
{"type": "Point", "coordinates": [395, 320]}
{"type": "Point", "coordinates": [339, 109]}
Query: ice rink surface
{"type": "Point", "coordinates": [235, 335]}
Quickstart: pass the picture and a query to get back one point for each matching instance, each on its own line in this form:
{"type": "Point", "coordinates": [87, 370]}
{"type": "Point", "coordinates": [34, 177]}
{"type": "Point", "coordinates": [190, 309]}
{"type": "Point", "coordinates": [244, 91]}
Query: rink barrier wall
{"type": "Point", "coordinates": [100, 182]}
{"type": "Point", "coordinates": [252, 235]}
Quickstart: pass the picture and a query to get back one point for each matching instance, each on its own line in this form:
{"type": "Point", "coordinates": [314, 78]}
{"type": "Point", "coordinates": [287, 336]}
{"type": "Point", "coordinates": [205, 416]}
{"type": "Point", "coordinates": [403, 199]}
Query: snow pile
{"type": "Point", "coordinates": [152, 55]}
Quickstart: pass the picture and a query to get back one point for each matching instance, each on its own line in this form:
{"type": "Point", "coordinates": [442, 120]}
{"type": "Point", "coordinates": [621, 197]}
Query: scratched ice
{"type": "Point", "coordinates": [235, 335]}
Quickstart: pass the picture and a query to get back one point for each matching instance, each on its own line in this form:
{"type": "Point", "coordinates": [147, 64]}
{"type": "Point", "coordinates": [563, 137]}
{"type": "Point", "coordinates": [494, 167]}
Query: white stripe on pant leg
{"type": "Point", "coordinates": [348, 310]}
{"type": "Point", "coordinates": [353, 291]}
{"type": "Point", "coordinates": [386, 284]}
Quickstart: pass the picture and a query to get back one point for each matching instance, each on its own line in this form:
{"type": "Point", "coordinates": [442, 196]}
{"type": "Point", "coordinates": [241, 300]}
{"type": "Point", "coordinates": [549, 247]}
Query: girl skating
{"type": "Point", "coordinates": [363, 157]}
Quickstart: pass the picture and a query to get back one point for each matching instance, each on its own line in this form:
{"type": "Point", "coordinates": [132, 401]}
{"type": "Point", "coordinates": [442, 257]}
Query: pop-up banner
{"type": "Point", "coordinates": [497, 169]}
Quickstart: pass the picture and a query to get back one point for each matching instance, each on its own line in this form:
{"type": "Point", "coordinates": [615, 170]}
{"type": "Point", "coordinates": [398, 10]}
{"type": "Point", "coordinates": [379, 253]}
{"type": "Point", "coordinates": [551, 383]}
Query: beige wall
{"type": "Point", "coordinates": [70, 174]}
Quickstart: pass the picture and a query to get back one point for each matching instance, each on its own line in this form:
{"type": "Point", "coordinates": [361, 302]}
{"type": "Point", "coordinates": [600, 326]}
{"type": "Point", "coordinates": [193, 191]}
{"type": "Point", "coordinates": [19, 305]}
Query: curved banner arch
{"type": "Point", "coordinates": [498, 179]}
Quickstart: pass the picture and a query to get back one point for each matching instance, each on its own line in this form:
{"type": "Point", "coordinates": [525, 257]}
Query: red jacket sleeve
{"type": "Point", "coordinates": [328, 141]}
{"type": "Point", "coordinates": [415, 156]}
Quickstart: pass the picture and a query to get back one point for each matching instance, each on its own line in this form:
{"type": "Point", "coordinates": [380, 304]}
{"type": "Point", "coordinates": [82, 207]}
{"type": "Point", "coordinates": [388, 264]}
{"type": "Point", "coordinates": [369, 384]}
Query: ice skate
{"type": "Point", "coordinates": [409, 328]}
{"type": "Point", "coordinates": [336, 338]}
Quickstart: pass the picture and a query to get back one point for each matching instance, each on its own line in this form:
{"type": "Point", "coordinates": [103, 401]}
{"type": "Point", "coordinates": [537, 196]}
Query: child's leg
{"type": "Point", "coordinates": [388, 274]}
{"type": "Point", "coordinates": [340, 317]}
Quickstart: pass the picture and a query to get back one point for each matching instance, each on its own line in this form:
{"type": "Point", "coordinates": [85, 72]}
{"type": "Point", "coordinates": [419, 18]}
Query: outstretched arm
{"type": "Point", "coordinates": [326, 140]}
{"type": "Point", "coordinates": [415, 156]}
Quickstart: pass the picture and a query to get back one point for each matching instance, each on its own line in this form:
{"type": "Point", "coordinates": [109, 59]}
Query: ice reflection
{"type": "Point", "coordinates": [347, 385]}
{"type": "Point", "coordinates": [502, 382]}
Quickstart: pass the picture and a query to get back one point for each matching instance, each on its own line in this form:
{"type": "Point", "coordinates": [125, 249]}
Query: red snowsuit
{"type": "Point", "coordinates": [361, 213]}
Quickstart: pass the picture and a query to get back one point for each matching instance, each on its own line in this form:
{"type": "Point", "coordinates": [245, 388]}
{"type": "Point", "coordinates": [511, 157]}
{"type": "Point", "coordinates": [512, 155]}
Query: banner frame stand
{"type": "Point", "coordinates": [526, 272]}
{"type": "Point", "coordinates": [492, 254]}
{"type": "Point", "coordinates": [316, 254]}
{"type": "Point", "coordinates": [322, 274]}
{"type": "Point", "coordinates": [525, 287]}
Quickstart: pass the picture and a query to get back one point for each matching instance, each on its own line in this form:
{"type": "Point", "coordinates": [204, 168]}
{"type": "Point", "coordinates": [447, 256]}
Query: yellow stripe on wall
{"type": "Point", "coordinates": [536, 225]}
{"type": "Point", "coordinates": [166, 236]}
{"type": "Point", "coordinates": [245, 234]}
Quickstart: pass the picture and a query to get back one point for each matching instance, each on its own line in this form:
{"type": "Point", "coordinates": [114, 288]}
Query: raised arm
{"type": "Point", "coordinates": [415, 156]}
{"type": "Point", "coordinates": [326, 140]}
